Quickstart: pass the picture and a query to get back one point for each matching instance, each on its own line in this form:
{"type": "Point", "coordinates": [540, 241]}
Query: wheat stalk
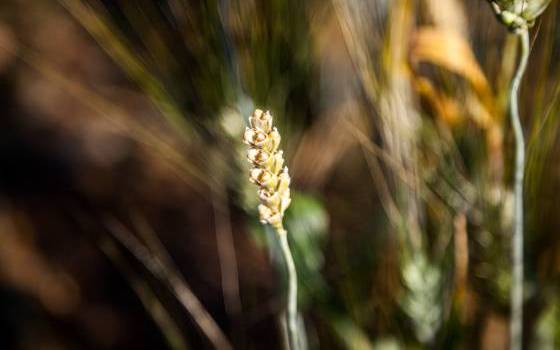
{"type": "Point", "coordinates": [273, 181]}
{"type": "Point", "coordinates": [516, 323]}
{"type": "Point", "coordinates": [518, 16]}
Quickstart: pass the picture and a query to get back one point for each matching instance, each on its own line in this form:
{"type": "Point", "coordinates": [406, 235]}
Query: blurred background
{"type": "Point", "coordinates": [127, 220]}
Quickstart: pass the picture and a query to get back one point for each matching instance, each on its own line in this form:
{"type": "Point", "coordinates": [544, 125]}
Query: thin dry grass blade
{"type": "Point", "coordinates": [96, 23]}
{"type": "Point", "coordinates": [151, 303]}
{"type": "Point", "coordinates": [184, 168]}
{"type": "Point", "coordinates": [163, 269]}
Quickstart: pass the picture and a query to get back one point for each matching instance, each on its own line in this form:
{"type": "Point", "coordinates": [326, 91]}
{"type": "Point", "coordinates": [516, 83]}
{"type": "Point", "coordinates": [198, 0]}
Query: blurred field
{"type": "Point", "coordinates": [127, 220]}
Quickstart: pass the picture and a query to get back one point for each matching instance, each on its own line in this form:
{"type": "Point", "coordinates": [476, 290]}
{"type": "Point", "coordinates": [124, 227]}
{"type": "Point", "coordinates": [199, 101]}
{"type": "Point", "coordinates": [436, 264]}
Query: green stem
{"type": "Point", "coordinates": [291, 313]}
{"type": "Point", "coordinates": [516, 321]}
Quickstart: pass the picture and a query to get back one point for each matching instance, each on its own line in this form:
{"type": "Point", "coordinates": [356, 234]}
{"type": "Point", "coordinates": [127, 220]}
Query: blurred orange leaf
{"type": "Point", "coordinates": [451, 51]}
